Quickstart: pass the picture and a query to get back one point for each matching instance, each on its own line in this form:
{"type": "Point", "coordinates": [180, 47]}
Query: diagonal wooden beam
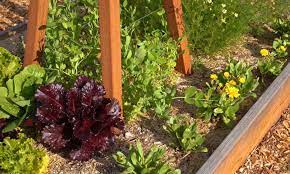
{"type": "Point", "coordinates": [175, 21]}
{"type": "Point", "coordinates": [109, 11]}
{"type": "Point", "coordinates": [35, 36]}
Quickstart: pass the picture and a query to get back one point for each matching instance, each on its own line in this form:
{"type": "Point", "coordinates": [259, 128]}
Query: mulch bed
{"type": "Point", "coordinates": [12, 12]}
{"type": "Point", "coordinates": [272, 156]}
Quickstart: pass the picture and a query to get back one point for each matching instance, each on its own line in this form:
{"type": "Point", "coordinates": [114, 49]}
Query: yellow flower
{"type": "Point", "coordinates": [226, 74]}
{"type": "Point", "coordinates": [213, 76]}
{"type": "Point", "coordinates": [282, 48]}
{"type": "Point", "coordinates": [242, 80]}
{"type": "Point", "coordinates": [233, 92]}
{"type": "Point", "coordinates": [264, 52]}
{"type": "Point", "coordinates": [221, 85]}
{"type": "Point", "coordinates": [232, 82]}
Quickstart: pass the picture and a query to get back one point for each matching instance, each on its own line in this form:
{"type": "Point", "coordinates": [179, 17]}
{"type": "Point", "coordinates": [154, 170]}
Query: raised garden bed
{"type": "Point", "coordinates": [248, 133]}
{"type": "Point", "coordinates": [232, 151]}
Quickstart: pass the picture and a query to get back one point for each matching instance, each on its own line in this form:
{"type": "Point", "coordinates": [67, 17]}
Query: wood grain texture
{"type": "Point", "coordinates": [35, 36]}
{"type": "Point", "coordinates": [109, 11]}
{"type": "Point", "coordinates": [175, 21]}
{"type": "Point", "coordinates": [249, 132]}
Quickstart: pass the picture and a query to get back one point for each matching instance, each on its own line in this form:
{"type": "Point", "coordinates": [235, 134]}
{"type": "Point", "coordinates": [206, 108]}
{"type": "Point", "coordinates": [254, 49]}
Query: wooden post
{"type": "Point", "coordinates": [109, 11]}
{"type": "Point", "coordinates": [35, 36]}
{"type": "Point", "coordinates": [174, 13]}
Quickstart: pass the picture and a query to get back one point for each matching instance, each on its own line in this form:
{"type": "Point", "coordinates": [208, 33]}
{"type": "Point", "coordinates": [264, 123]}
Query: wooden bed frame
{"type": "Point", "coordinates": [249, 132]}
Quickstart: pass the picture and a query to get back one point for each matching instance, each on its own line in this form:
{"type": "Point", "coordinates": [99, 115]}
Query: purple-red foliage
{"type": "Point", "coordinates": [80, 118]}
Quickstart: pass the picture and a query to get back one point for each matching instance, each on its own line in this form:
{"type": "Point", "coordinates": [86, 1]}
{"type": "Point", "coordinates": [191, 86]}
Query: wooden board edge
{"type": "Point", "coordinates": [249, 132]}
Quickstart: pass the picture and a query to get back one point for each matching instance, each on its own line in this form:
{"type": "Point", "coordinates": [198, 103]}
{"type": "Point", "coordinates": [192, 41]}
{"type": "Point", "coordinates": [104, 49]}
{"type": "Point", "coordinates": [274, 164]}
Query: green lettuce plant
{"type": "Point", "coordinates": [20, 156]}
{"type": "Point", "coordinates": [137, 162]}
{"type": "Point", "coordinates": [185, 134]}
{"type": "Point", "coordinates": [16, 96]}
{"type": "Point", "coordinates": [9, 65]}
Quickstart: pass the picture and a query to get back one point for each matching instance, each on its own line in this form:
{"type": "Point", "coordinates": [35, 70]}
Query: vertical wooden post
{"type": "Point", "coordinates": [35, 36]}
{"type": "Point", "coordinates": [109, 11]}
{"type": "Point", "coordinates": [176, 27]}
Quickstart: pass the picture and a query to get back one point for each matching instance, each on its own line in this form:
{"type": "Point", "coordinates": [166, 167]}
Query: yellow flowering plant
{"type": "Point", "coordinates": [225, 92]}
{"type": "Point", "coordinates": [273, 63]}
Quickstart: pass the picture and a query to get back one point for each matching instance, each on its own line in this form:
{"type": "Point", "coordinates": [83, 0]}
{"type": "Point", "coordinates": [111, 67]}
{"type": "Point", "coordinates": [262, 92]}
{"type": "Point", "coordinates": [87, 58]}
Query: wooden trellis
{"type": "Point", "coordinates": [109, 11]}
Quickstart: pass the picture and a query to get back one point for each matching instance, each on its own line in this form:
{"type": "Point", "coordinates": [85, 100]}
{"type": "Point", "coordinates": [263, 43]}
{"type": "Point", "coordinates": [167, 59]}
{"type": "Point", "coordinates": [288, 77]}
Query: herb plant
{"type": "Point", "coordinates": [185, 134]}
{"type": "Point", "coordinates": [9, 65]}
{"type": "Point", "coordinates": [80, 119]}
{"type": "Point", "coordinates": [16, 97]}
{"type": "Point", "coordinates": [225, 92]}
{"type": "Point", "coordinates": [21, 156]}
{"type": "Point", "coordinates": [137, 162]}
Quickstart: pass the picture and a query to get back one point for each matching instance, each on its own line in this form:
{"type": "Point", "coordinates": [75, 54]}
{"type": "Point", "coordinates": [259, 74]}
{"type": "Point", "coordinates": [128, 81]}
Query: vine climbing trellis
{"type": "Point", "coordinates": [110, 39]}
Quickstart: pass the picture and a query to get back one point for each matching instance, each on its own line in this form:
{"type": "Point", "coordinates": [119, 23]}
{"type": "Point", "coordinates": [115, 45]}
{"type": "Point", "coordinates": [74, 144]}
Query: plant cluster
{"type": "Point", "coordinates": [16, 92]}
{"type": "Point", "coordinates": [72, 40]}
{"type": "Point", "coordinates": [282, 26]}
{"type": "Point", "coordinates": [148, 52]}
{"type": "Point", "coordinates": [20, 156]}
{"type": "Point", "coordinates": [9, 65]}
{"type": "Point", "coordinates": [80, 119]}
{"type": "Point", "coordinates": [186, 136]}
{"type": "Point", "coordinates": [214, 24]}
{"type": "Point", "coordinates": [148, 74]}
{"type": "Point", "coordinates": [137, 162]}
{"type": "Point", "coordinates": [225, 92]}
{"type": "Point", "coordinates": [273, 62]}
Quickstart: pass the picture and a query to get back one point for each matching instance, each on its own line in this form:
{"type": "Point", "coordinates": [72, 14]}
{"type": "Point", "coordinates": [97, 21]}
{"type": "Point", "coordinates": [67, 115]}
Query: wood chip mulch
{"type": "Point", "coordinates": [272, 156]}
{"type": "Point", "coordinates": [12, 12]}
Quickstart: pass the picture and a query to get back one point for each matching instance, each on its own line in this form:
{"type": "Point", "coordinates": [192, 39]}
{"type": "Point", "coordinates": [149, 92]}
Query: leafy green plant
{"type": "Point", "coordinates": [280, 48]}
{"type": "Point", "coordinates": [270, 66]}
{"type": "Point", "coordinates": [282, 26]}
{"type": "Point", "coordinates": [16, 96]}
{"type": "Point", "coordinates": [148, 73]}
{"type": "Point", "coordinates": [185, 134]}
{"type": "Point", "coordinates": [148, 52]}
{"type": "Point", "coordinates": [225, 92]}
{"type": "Point", "coordinates": [137, 162]}
{"type": "Point", "coordinates": [20, 156]}
{"type": "Point", "coordinates": [214, 24]}
{"type": "Point", "coordinates": [9, 65]}
{"type": "Point", "coordinates": [273, 62]}
{"type": "Point", "coordinates": [72, 40]}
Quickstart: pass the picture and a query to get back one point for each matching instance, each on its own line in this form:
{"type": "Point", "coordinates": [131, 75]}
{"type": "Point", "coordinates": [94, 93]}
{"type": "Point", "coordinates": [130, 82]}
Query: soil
{"type": "Point", "coordinates": [149, 129]}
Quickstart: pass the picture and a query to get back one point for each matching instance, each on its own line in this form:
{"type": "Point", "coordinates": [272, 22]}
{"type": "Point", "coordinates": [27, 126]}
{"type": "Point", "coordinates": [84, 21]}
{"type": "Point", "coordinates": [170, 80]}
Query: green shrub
{"type": "Point", "coordinates": [137, 162]}
{"type": "Point", "coordinates": [185, 134]}
{"type": "Point", "coordinates": [9, 65]}
{"type": "Point", "coordinates": [20, 156]}
{"type": "Point", "coordinates": [226, 91]}
{"type": "Point", "coordinates": [214, 24]}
